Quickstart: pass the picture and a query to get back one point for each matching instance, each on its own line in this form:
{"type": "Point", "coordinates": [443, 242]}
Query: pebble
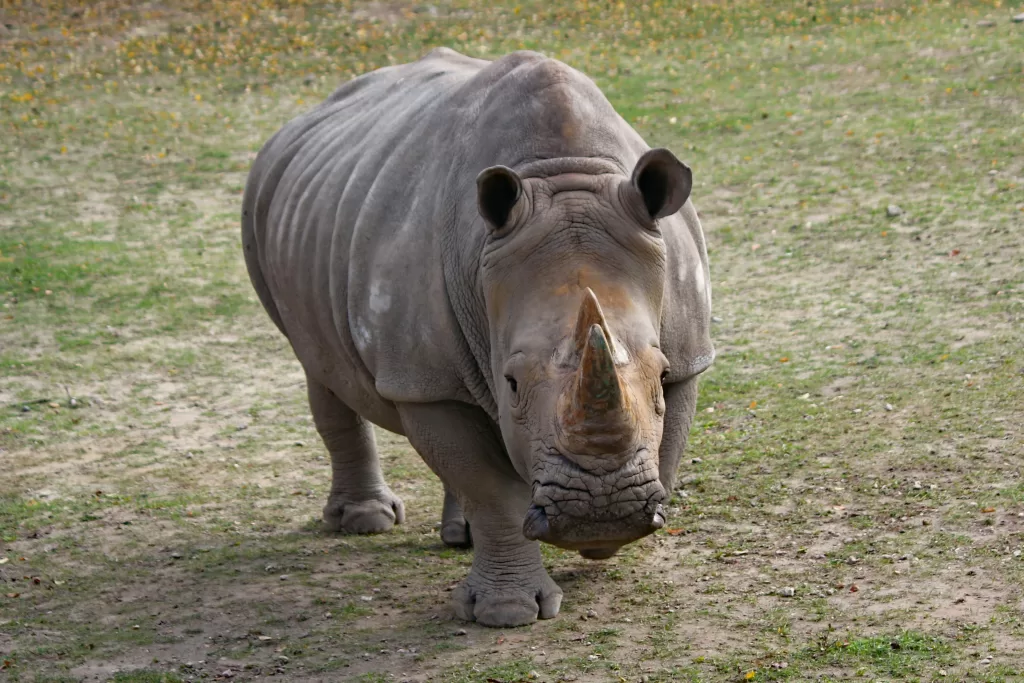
{"type": "Point", "coordinates": [787, 591]}
{"type": "Point", "coordinates": [284, 577]}
{"type": "Point", "coordinates": [715, 319]}
{"type": "Point", "coordinates": [1019, 19]}
{"type": "Point", "coordinates": [892, 211]}
{"type": "Point", "coordinates": [918, 486]}
{"type": "Point", "coordinates": [695, 461]}
{"type": "Point", "coordinates": [986, 23]}
{"type": "Point", "coordinates": [888, 407]}
{"type": "Point", "coordinates": [461, 632]}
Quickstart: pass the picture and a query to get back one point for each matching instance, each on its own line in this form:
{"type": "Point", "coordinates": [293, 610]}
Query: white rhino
{"type": "Point", "coordinates": [486, 258]}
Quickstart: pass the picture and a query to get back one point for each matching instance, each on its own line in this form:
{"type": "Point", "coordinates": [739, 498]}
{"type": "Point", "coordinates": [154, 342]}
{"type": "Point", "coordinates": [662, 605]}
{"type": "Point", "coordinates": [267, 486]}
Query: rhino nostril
{"type": "Point", "coordinates": [535, 525]}
{"type": "Point", "coordinates": [658, 519]}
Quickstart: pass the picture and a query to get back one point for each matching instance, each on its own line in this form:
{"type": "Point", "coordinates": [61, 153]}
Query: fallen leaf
{"type": "Point", "coordinates": [13, 595]}
{"type": "Point", "coordinates": [988, 510]}
{"type": "Point", "coordinates": [674, 532]}
{"type": "Point", "coordinates": [784, 359]}
{"type": "Point", "coordinates": [955, 252]}
{"type": "Point", "coordinates": [750, 675]}
{"type": "Point", "coordinates": [853, 588]}
{"type": "Point", "coordinates": [753, 404]}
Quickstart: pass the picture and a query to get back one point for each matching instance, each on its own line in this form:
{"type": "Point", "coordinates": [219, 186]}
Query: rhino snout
{"type": "Point", "coordinates": [535, 526]}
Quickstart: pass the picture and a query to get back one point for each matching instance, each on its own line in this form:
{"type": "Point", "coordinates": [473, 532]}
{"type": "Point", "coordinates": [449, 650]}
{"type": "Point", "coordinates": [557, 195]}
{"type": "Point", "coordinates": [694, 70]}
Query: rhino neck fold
{"type": "Point", "coordinates": [460, 260]}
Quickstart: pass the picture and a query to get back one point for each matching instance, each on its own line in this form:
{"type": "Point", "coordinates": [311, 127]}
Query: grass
{"type": "Point", "coordinates": [858, 438]}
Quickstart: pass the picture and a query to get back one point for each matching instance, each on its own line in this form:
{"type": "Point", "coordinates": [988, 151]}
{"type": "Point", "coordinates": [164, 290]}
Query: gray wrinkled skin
{"type": "Point", "coordinates": [486, 258]}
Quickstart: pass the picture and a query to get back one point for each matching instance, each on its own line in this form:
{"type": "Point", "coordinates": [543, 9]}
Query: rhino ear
{"type": "Point", "coordinates": [498, 188]}
{"type": "Point", "coordinates": [663, 182]}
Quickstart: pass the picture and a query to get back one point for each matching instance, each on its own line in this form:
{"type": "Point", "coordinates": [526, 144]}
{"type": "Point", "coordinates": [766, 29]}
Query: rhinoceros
{"type": "Point", "coordinates": [484, 257]}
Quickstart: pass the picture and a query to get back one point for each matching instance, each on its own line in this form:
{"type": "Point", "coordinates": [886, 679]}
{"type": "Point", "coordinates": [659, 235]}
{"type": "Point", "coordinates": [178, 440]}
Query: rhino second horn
{"type": "Point", "coordinates": [590, 314]}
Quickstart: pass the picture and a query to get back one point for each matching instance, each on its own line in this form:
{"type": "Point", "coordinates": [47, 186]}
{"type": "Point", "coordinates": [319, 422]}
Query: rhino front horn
{"type": "Point", "coordinates": [590, 314]}
{"type": "Point", "coordinates": [598, 390]}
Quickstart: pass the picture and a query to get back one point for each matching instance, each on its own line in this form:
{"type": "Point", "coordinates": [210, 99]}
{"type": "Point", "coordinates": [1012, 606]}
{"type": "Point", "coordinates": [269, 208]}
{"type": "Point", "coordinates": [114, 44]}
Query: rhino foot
{"type": "Point", "coordinates": [372, 516]}
{"type": "Point", "coordinates": [455, 534]}
{"type": "Point", "coordinates": [454, 527]}
{"type": "Point", "coordinates": [507, 604]}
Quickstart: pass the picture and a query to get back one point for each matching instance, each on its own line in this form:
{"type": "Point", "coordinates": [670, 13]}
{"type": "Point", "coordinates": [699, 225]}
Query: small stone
{"type": "Point", "coordinates": [918, 486]}
{"type": "Point", "coordinates": [366, 598]}
{"type": "Point", "coordinates": [715, 319]}
{"type": "Point", "coordinates": [461, 632]}
{"type": "Point", "coordinates": [283, 577]}
{"type": "Point", "coordinates": [986, 23]}
{"type": "Point", "coordinates": [283, 659]}
{"type": "Point", "coordinates": [1019, 19]}
{"type": "Point", "coordinates": [888, 407]}
{"type": "Point", "coordinates": [176, 556]}
{"type": "Point", "coordinates": [892, 211]}
{"type": "Point", "coordinates": [533, 674]}
{"type": "Point", "coordinates": [73, 402]}
{"type": "Point", "coordinates": [1016, 553]}
{"type": "Point", "coordinates": [787, 591]}
{"type": "Point", "coordinates": [26, 409]}
{"type": "Point", "coordinates": [227, 673]}
{"type": "Point", "coordinates": [270, 568]}
{"type": "Point", "coordinates": [300, 444]}
{"type": "Point", "coordinates": [696, 461]}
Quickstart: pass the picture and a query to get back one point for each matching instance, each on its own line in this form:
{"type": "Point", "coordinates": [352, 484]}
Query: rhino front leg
{"type": "Point", "coordinates": [454, 527]}
{"type": "Point", "coordinates": [680, 406]}
{"type": "Point", "coordinates": [507, 585]}
{"type": "Point", "coordinates": [360, 501]}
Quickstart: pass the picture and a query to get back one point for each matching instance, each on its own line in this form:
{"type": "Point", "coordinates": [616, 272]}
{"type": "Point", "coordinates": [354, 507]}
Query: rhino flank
{"type": "Point", "coordinates": [486, 258]}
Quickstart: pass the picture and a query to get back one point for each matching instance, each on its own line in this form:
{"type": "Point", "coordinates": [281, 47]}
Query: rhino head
{"type": "Point", "coordinates": [573, 277]}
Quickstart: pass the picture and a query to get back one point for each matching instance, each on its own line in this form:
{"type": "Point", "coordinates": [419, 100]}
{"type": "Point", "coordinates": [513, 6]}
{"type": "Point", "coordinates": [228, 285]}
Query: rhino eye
{"type": "Point", "coordinates": [512, 384]}
{"type": "Point", "coordinates": [664, 375]}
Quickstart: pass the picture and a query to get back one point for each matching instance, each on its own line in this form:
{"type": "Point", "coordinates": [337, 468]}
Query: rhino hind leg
{"type": "Point", "coordinates": [360, 501]}
{"type": "Point", "coordinates": [454, 527]}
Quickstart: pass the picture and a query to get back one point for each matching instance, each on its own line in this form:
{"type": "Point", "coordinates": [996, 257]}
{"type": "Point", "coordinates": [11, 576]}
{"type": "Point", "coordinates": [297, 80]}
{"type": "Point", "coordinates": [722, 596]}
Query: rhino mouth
{"type": "Point", "coordinates": [595, 512]}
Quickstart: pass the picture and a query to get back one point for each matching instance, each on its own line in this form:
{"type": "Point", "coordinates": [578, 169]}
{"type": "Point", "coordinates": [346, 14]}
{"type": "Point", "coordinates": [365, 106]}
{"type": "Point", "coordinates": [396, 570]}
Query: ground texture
{"type": "Point", "coordinates": [852, 505]}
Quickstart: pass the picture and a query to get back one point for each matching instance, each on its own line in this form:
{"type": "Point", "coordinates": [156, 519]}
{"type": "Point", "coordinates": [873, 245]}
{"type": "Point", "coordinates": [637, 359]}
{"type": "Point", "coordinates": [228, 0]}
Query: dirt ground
{"type": "Point", "coordinates": [851, 506]}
